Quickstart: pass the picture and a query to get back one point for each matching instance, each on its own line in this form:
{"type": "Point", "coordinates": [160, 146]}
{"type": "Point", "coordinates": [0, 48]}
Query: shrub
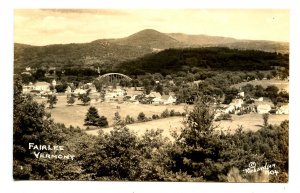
{"type": "Point", "coordinates": [165, 113]}
{"type": "Point", "coordinates": [93, 118]}
{"type": "Point", "coordinates": [141, 117]}
{"type": "Point", "coordinates": [155, 117]}
{"type": "Point", "coordinates": [172, 113]}
{"type": "Point", "coordinates": [225, 117]}
{"type": "Point", "coordinates": [129, 120]}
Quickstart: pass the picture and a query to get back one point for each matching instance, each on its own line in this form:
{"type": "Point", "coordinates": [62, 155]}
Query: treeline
{"type": "Point", "coordinates": [198, 153]}
{"type": "Point", "coordinates": [99, 53]}
{"type": "Point", "coordinates": [173, 60]}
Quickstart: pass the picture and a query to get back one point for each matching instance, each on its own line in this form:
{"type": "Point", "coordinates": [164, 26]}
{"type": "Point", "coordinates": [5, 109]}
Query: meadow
{"type": "Point", "coordinates": [74, 115]}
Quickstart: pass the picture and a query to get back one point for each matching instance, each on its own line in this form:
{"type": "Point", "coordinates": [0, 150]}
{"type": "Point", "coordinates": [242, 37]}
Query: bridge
{"type": "Point", "coordinates": [114, 77]}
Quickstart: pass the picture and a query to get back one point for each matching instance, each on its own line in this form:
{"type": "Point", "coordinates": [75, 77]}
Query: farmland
{"type": "Point", "coordinates": [251, 122]}
{"type": "Point", "coordinates": [74, 115]}
{"type": "Point", "coordinates": [280, 84]}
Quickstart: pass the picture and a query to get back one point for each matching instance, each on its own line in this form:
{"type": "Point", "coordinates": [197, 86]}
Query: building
{"type": "Point", "coordinates": [27, 88]}
{"type": "Point", "coordinates": [68, 90]}
{"type": "Point", "coordinates": [168, 99]}
{"type": "Point", "coordinates": [283, 110]}
{"type": "Point", "coordinates": [42, 86]}
{"type": "Point", "coordinates": [263, 108]}
{"type": "Point", "coordinates": [79, 91]}
{"type": "Point", "coordinates": [53, 83]}
{"type": "Point", "coordinates": [230, 109]}
{"type": "Point", "coordinates": [154, 95]}
{"type": "Point", "coordinates": [237, 103]}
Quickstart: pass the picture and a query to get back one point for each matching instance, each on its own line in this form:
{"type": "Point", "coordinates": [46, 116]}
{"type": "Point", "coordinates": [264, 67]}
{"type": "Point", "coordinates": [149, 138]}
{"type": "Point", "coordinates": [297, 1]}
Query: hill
{"type": "Point", "coordinates": [218, 41]}
{"type": "Point", "coordinates": [149, 38]}
{"type": "Point", "coordinates": [105, 53]}
{"type": "Point", "coordinates": [174, 60]}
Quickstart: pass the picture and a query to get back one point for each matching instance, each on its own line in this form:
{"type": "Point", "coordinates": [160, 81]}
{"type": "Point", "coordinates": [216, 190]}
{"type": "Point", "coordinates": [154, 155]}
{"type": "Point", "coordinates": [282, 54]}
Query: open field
{"type": "Point", "coordinates": [280, 84]}
{"type": "Point", "coordinates": [249, 122]}
{"type": "Point", "coordinates": [75, 115]}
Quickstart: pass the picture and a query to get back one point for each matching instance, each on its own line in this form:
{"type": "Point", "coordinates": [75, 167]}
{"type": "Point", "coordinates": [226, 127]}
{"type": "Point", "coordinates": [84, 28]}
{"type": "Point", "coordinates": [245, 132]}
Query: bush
{"type": "Point", "coordinates": [165, 113]}
{"type": "Point", "coordinates": [93, 118]}
{"type": "Point", "coordinates": [172, 113]}
{"type": "Point", "coordinates": [225, 117]}
{"type": "Point", "coordinates": [177, 114]}
{"type": "Point", "coordinates": [155, 116]}
{"type": "Point", "coordinates": [129, 120]}
{"type": "Point", "coordinates": [141, 117]}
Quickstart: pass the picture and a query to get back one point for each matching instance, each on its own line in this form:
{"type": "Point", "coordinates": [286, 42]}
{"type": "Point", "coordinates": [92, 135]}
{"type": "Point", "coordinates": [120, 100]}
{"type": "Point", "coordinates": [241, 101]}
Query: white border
{"type": "Point", "coordinates": [6, 65]}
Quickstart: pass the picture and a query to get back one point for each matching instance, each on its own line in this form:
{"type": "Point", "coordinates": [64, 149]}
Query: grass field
{"type": "Point", "coordinates": [281, 84]}
{"type": "Point", "coordinates": [74, 115]}
{"type": "Point", "coordinates": [248, 121]}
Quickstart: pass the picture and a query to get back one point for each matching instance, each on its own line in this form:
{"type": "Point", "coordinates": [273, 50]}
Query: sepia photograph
{"type": "Point", "coordinates": [152, 95]}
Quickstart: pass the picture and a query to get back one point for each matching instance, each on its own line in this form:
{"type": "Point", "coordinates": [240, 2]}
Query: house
{"type": "Point", "coordinates": [284, 109]}
{"type": "Point", "coordinates": [131, 92]}
{"type": "Point", "coordinates": [229, 109]}
{"type": "Point", "coordinates": [154, 95]}
{"type": "Point", "coordinates": [68, 90]}
{"type": "Point", "coordinates": [139, 88]}
{"type": "Point", "coordinates": [156, 101]}
{"type": "Point", "coordinates": [79, 91]}
{"type": "Point", "coordinates": [168, 99]}
{"type": "Point", "coordinates": [237, 103]}
{"type": "Point", "coordinates": [53, 83]}
{"type": "Point", "coordinates": [241, 94]}
{"type": "Point", "coordinates": [42, 86]}
{"type": "Point", "coordinates": [260, 99]}
{"type": "Point", "coordinates": [27, 88]}
{"type": "Point", "coordinates": [263, 107]}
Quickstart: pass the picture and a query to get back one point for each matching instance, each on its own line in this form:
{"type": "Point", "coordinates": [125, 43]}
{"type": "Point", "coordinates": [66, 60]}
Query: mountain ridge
{"type": "Point", "coordinates": [108, 52]}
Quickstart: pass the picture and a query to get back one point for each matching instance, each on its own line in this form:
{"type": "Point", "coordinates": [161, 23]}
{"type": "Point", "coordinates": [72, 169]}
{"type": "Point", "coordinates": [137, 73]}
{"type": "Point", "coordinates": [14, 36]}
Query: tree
{"type": "Point", "coordinates": [39, 75]}
{"type": "Point", "coordinates": [85, 97]}
{"type": "Point", "coordinates": [92, 118]}
{"type": "Point", "coordinates": [141, 117]}
{"type": "Point", "coordinates": [98, 84]}
{"type": "Point", "coordinates": [117, 120]}
{"type": "Point", "coordinates": [159, 88]}
{"type": "Point", "coordinates": [266, 119]}
{"type": "Point", "coordinates": [52, 100]}
{"type": "Point", "coordinates": [197, 148]}
{"type": "Point", "coordinates": [71, 100]}
{"type": "Point", "coordinates": [129, 119]}
{"type": "Point", "coordinates": [32, 124]}
{"type": "Point", "coordinates": [165, 113]}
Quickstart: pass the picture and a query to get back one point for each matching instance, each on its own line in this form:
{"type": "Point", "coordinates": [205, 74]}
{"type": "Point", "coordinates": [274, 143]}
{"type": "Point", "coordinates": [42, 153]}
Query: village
{"type": "Point", "coordinates": [116, 96]}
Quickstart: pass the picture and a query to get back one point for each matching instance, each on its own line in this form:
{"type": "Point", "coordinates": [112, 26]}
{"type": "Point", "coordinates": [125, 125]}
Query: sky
{"type": "Point", "coordinates": [60, 26]}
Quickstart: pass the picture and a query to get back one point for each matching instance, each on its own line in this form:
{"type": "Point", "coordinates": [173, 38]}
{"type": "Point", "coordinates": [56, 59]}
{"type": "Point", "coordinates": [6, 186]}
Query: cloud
{"type": "Point", "coordinates": [37, 26]}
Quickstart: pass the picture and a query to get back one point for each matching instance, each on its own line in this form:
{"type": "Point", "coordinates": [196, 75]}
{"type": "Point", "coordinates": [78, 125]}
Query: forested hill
{"type": "Point", "coordinates": [105, 53]}
{"type": "Point", "coordinates": [174, 60]}
{"type": "Point", "coordinates": [99, 53]}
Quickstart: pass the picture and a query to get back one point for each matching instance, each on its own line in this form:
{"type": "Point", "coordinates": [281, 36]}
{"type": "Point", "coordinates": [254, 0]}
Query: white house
{"type": "Point", "coordinates": [229, 109]}
{"type": "Point", "coordinates": [27, 88]}
{"type": "Point", "coordinates": [79, 91]}
{"type": "Point", "coordinates": [237, 103]}
{"type": "Point", "coordinates": [263, 108]}
{"type": "Point", "coordinates": [241, 94]}
{"type": "Point", "coordinates": [156, 101]}
{"type": "Point", "coordinates": [168, 99]}
{"type": "Point", "coordinates": [54, 82]}
{"type": "Point", "coordinates": [42, 86]}
{"type": "Point", "coordinates": [154, 95]}
{"type": "Point", "coordinates": [284, 109]}
{"type": "Point", "coordinates": [68, 90]}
